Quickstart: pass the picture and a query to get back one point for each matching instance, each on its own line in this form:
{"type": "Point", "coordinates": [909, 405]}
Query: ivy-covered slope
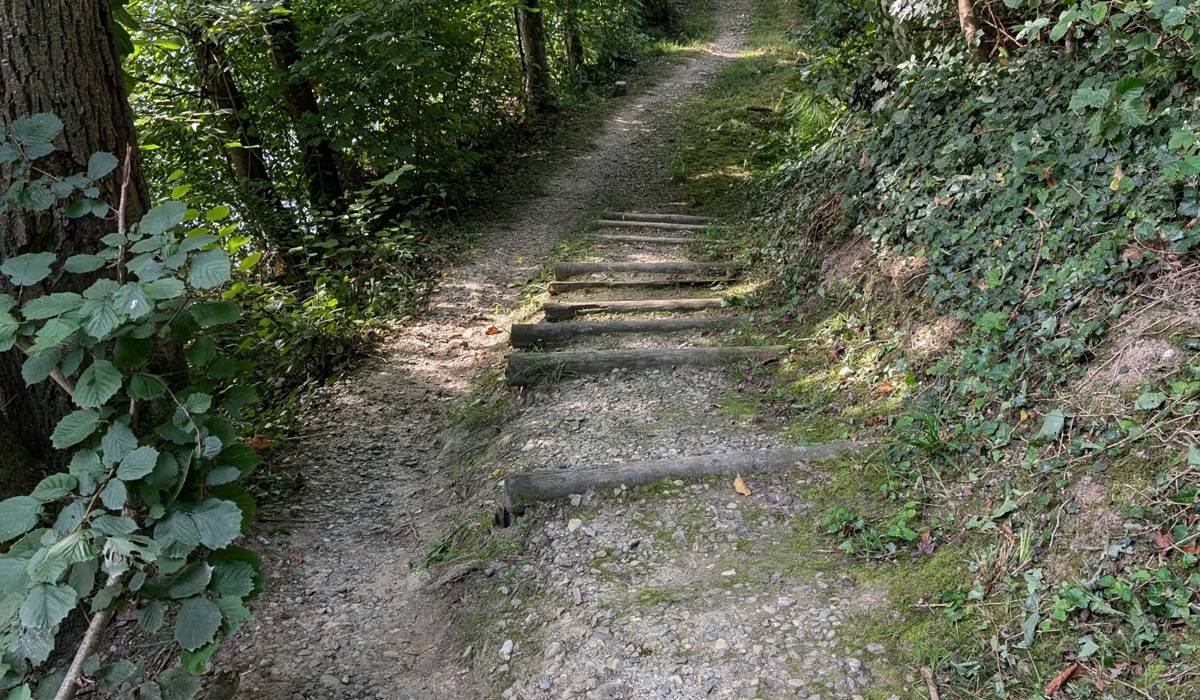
{"type": "Point", "coordinates": [1039, 187]}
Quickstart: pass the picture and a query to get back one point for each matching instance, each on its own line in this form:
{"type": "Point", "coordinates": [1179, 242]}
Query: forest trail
{"type": "Point", "coordinates": [345, 615]}
{"type": "Point", "coordinates": [684, 589]}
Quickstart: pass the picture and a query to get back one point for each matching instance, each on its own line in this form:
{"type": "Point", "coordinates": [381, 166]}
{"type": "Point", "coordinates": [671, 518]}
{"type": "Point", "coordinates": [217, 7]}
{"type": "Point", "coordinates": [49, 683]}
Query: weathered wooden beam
{"type": "Point", "coordinates": [661, 218]}
{"type": "Point", "coordinates": [565, 271]}
{"type": "Point", "coordinates": [651, 224]}
{"type": "Point", "coordinates": [529, 335]}
{"type": "Point", "coordinates": [567, 310]}
{"type": "Point", "coordinates": [661, 240]}
{"type": "Point", "coordinates": [548, 485]}
{"type": "Point", "coordinates": [525, 368]}
{"type": "Point", "coordinates": [560, 287]}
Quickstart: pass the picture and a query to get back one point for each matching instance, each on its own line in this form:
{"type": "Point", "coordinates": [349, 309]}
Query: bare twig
{"type": "Point", "coordinates": [55, 374]}
{"type": "Point", "coordinates": [87, 647]}
{"type": "Point", "coordinates": [121, 209]}
{"type": "Point", "coordinates": [933, 691]}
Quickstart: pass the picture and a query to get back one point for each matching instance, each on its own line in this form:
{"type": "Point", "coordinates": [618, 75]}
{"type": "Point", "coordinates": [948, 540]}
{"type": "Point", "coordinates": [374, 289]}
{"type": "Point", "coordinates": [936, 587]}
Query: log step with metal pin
{"type": "Point", "coordinates": [561, 287]}
{"type": "Point", "coordinates": [565, 271]}
{"type": "Point", "coordinates": [529, 335]}
{"type": "Point", "coordinates": [527, 368]}
{"type": "Point", "coordinates": [567, 310]}
{"type": "Point", "coordinates": [661, 218]}
{"type": "Point", "coordinates": [559, 483]}
{"type": "Point", "coordinates": [665, 226]}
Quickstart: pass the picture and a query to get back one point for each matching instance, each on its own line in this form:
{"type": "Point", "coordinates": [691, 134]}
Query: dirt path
{"type": "Point", "coordinates": [345, 617]}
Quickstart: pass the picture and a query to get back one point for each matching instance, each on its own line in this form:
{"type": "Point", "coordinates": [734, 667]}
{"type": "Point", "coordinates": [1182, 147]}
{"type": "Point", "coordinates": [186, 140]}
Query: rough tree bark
{"type": "Point", "coordinates": [244, 152]}
{"type": "Point", "coordinates": [320, 166]}
{"type": "Point", "coordinates": [535, 66]}
{"type": "Point", "coordinates": [60, 56]}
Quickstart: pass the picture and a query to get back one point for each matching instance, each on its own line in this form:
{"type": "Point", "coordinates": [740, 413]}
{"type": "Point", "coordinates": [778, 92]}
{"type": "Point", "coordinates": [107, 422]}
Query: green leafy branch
{"type": "Point", "coordinates": [146, 514]}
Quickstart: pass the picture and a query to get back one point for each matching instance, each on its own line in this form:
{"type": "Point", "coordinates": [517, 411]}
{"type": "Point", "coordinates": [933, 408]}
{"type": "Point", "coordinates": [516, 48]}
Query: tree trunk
{"type": "Point", "coordinates": [660, 13]}
{"type": "Point", "coordinates": [970, 26]}
{"type": "Point", "coordinates": [320, 166]}
{"type": "Point", "coordinates": [535, 66]}
{"type": "Point", "coordinates": [18, 471]}
{"type": "Point", "coordinates": [244, 148]}
{"type": "Point", "coordinates": [573, 42]}
{"type": "Point", "coordinates": [60, 56]}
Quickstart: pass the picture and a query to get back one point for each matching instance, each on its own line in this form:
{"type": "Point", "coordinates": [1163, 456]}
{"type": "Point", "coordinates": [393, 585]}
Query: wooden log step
{"type": "Point", "coordinates": [651, 224]}
{"type": "Point", "coordinates": [560, 287]}
{"type": "Point", "coordinates": [567, 310]}
{"type": "Point", "coordinates": [528, 335]}
{"type": "Point", "coordinates": [525, 368]}
{"type": "Point", "coordinates": [661, 218]}
{"type": "Point", "coordinates": [548, 485]}
{"type": "Point", "coordinates": [565, 271]}
{"type": "Point", "coordinates": [663, 240]}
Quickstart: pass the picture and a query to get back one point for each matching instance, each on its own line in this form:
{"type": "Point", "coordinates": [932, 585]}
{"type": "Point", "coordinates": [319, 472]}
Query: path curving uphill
{"type": "Point", "coordinates": [346, 616]}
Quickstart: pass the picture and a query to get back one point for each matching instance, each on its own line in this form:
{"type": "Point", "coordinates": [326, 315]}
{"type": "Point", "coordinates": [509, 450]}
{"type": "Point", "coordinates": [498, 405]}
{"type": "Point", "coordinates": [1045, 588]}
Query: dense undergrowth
{"type": "Point", "coordinates": [1000, 237]}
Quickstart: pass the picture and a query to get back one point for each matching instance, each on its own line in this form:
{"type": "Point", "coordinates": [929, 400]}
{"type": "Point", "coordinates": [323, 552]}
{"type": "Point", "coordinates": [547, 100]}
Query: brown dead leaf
{"type": "Point", "coordinates": [926, 545]}
{"type": "Point", "coordinates": [885, 388]}
{"type": "Point", "coordinates": [1049, 176]}
{"type": "Point", "coordinates": [1118, 175]}
{"type": "Point", "coordinates": [740, 486]}
{"type": "Point", "coordinates": [257, 442]}
{"type": "Point", "coordinates": [492, 330]}
{"type": "Point", "coordinates": [1057, 682]}
{"type": "Point", "coordinates": [1163, 541]}
{"type": "Point", "coordinates": [1131, 253]}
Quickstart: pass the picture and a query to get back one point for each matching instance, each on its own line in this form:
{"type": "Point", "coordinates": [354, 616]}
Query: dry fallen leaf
{"type": "Point", "coordinates": [1131, 253]}
{"type": "Point", "coordinates": [1057, 682]}
{"type": "Point", "coordinates": [256, 443]}
{"type": "Point", "coordinates": [492, 330]}
{"type": "Point", "coordinates": [885, 388]}
{"type": "Point", "coordinates": [740, 486]}
{"type": "Point", "coordinates": [1163, 541]}
{"type": "Point", "coordinates": [925, 544]}
{"type": "Point", "coordinates": [1118, 175]}
{"type": "Point", "coordinates": [514, 284]}
{"type": "Point", "coordinates": [1024, 414]}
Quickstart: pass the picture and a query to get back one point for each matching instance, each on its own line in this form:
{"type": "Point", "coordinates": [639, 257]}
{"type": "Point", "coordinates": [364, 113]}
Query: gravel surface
{"type": "Point", "coordinates": [681, 590]}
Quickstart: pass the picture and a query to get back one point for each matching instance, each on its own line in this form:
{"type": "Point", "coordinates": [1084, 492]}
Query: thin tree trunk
{"type": "Point", "coordinates": [243, 147]}
{"type": "Point", "coordinates": [573, 42]}
{"type": "Point", "coordinates": [320, 166]}
{"type": "Point", "coordinates": [536, 67]}
{"type": "Point", "coordinates": [60, 56]}
{"type": "Point", "coordinates": [970, 26]}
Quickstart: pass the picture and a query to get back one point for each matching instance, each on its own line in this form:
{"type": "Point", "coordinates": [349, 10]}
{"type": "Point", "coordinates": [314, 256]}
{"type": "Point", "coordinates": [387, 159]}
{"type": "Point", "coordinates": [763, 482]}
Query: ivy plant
{"type": "Point", "coordinates": [147, 513]}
